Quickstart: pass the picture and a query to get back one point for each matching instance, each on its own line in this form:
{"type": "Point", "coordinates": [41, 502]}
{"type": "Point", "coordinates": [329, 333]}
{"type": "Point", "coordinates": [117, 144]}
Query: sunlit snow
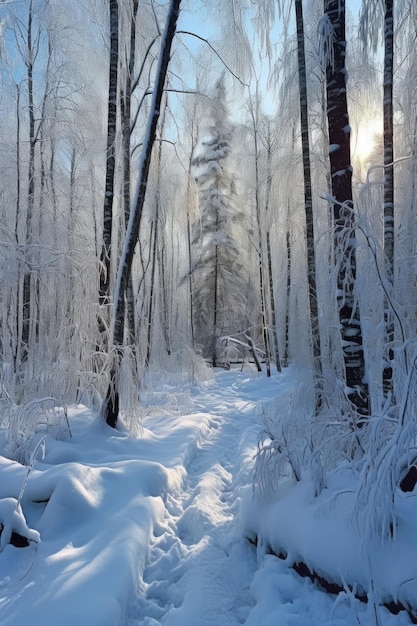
{"type": "Point", "coordinates": [155, 530]}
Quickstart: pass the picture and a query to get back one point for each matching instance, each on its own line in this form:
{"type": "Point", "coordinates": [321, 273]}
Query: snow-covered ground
{"type": "Point", "coordinates": [148, 531]}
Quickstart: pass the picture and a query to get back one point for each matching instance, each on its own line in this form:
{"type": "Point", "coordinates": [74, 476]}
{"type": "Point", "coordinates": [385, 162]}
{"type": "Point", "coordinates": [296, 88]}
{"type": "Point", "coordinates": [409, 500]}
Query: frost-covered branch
{"type": "Point", "coordinates": [206, 41]}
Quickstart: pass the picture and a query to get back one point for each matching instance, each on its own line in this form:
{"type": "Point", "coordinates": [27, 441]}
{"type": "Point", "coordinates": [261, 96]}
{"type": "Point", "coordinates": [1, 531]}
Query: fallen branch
{"type": "Point", "coordinates": [303, 570]}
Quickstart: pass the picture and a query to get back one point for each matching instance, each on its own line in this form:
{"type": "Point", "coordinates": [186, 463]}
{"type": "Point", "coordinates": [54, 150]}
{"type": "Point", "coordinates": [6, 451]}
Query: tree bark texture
{"type": "Point", "coordinates": [126, 130]}
{"type": "Point", "coordinates": [389, 137]}
{"type": "Point", "coordinates": [343, 216]}
{"type": "Point", "coordinates": [308, 196]}
{"type": "Point", "coordinates": [388, 114]}
{"type": "Point", "coordinates": [105, 257]}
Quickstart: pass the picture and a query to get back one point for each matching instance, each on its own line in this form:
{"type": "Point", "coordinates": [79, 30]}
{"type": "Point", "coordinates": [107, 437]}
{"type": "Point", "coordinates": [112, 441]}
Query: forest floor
{"type": "Point", "coordinates": [152, 531]}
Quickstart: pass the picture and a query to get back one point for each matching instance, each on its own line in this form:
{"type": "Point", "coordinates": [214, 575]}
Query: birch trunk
{"type": "Point", "coordinates": [126, 129]}
{"type": "Point", "coordinates": [105, 256]}
{"type": "Point", "coordinates": [343, 215]}
{"type": "Point", "coordinates": [308, 201]}
{"type": "Point", "coordinates": [388, 184]}
{"type": "Point", "coordinates": [27, 278]}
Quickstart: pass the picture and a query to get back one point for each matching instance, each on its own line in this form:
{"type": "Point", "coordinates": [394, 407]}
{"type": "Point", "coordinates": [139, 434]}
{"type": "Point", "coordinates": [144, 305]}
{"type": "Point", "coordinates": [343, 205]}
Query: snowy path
{"type": "Point", "coordinates": [200, 566]}
{"type": "Point", "coordinates": [200, 570]}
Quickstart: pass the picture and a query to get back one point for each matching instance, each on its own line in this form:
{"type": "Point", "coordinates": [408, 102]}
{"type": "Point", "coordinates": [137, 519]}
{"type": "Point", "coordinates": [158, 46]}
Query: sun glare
{"type": "Point", "coordinates": [365, 140]}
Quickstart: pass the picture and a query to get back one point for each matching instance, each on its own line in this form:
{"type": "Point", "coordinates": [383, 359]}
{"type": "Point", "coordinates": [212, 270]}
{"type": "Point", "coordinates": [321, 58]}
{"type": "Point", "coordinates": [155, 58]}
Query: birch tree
{"type": "Point", "coordinates": [268, 13]}
{"type": "Point", "coordinates": [264, 281]}
{"type": "Point", "coordinates": [374, 14]}
{"type": "Point", "coordinates": [105, 256]}
{"type": "Point", "coordinates": [308, 197]}
{"type": "Point", "coordinates": [269, 143]}
{"type": "Point", "coordinates": [110, 408]}
{"type": "Point", "coordinates": [32, 48]}
{"type": "Point", "coordinates": [388, 111]}
{"type": "Point", "coordinates": [342, 204]}
{"type": "Point", "coordinates": [126, 131]}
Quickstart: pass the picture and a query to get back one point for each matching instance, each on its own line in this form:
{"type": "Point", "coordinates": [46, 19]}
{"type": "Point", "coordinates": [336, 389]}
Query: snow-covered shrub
{"type": "Point", "coordinates": [380, 450]}
{"type": "Point", "coordinates": [391, 450]}
{"type": "Point", "coordinates": [12, 521]}
{"type": "Point", "coordinates": [182, 366]}
{"type": "Point", "coordinates": [23, 426]}
{"type": "Point", "coordinates": [131, 412]}
{"type": "Point", "coordinates": [285, 443]}
{"type": "Point", "coordinates": [297, 444]}
{"type": "Point", "coordinates": [167, 386]}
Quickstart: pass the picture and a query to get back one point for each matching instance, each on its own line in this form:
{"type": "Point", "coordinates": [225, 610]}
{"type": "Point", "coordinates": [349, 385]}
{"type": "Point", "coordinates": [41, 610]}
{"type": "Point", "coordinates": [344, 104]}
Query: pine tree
{"type": "Point", "coordinates": [220, 286]}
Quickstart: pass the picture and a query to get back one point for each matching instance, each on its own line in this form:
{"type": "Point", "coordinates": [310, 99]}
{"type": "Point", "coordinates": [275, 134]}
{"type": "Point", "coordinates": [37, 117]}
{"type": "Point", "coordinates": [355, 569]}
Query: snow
{"type": "Point", "coordinates": [154, 530]}
{"type": "Point", "coordinates": [12, 521]}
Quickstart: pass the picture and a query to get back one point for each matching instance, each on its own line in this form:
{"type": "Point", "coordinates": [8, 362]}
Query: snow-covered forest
{"type": "Point", "coordinates": [208, 312]}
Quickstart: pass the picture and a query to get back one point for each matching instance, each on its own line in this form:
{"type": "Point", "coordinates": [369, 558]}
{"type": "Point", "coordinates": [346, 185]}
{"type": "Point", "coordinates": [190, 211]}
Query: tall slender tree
{"type": "Point", "coordinates": [388, 182]}
{"type": "Point", "coordinates": [33, 37]}
{"type": "Point", "coordinates": [269, 142]}
{"type": "Point", "coordinates": [370, 27]}
{"type": "Point", "coordinates": [308, 197]}
{"type": "Point", "coordinates": [157, 238]}
{"type": "Point", "coordinates": [110, 409]}
{"type": "Point", "coordinates": [254, 112]}
{"type": "Point", "coordinates": [105, 256]}
{"type": "Point", "coordinates": [342, 203]}
{"type": "Point", "coordinates": [389, 135]}
{"type": "Point", "coordinates": [268, 12]}
{"type": "Point", "coordinates": [126, 131]}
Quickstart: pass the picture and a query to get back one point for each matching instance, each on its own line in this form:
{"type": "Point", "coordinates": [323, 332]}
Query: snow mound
{"type": "Point", "coordinates": [12, 521]}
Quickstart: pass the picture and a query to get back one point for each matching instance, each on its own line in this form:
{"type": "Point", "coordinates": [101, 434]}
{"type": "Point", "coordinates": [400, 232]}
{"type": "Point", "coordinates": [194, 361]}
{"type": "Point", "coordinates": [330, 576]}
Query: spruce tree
{"type": "Point", "coordinates": [220, 285]}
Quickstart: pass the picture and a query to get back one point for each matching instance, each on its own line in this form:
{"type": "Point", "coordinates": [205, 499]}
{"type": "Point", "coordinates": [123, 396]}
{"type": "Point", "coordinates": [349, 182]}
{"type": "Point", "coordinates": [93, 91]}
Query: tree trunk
{"type": "Point", "coordinates": [215, 305]}
{"type": "Point", "coordinates": [152, 289]}
{"type": "Point", "coordinates": [167, 290]}
{"type": "Point", "coordinates": [110, 408]}
{"type": "Point", "coordinates": [105, 256]}
{"type": "Point", "coordinates": [287, 312]}
{"type": "Point", "coordinates": [343, 216]}
{"type": "Point", "coordinates": [126, 130]}
{"type": "Point", "coordinates": [260, 251]}
{"type": "Point", "coordinates": [272, 303]}
{"type": "Point", "coordinates": [308, 203]}
{"type": "Point", "coordinates": [273, 329]}
{"type": "Point", "coordinates": [389, 137]}
{"type": "Point", "coordinates": [17, 352]}
{"type": "Point", "coordinates": [388, 185]}
{"type": "Point", "coordinates": [190, 256]}
{"type": "Point", "coordinates": [156, 241]}
{"type": "Point", "coordinates": [27, 278]}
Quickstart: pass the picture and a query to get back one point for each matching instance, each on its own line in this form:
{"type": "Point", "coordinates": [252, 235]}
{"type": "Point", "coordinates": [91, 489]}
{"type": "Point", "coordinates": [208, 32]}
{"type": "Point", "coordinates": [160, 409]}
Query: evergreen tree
{"type": "Point", "coordinates": [220, 285]}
